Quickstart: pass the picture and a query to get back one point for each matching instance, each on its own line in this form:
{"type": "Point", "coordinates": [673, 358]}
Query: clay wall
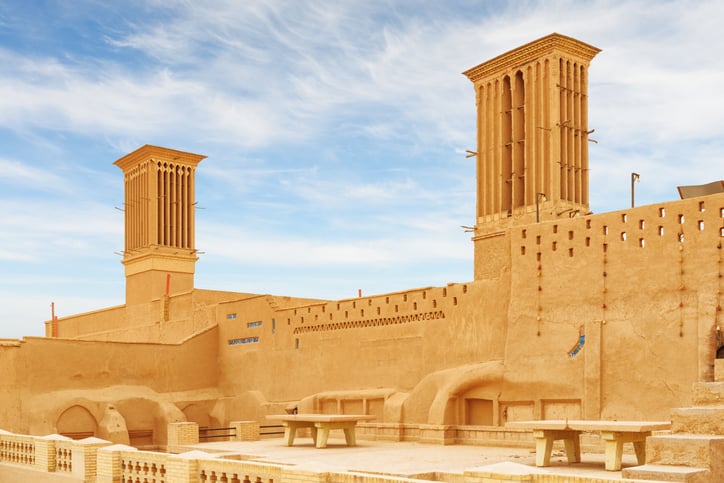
{"type": "Point", "coordinates": [642, 285]}
{"type": "Point", "coordinates": [167, 320]}
{"type": "Point", "coordinates": [95, 322]}
{"type": "Point", "coordinates": [10, 382]}
{"type": "Point", "coordinates": [388, 341]}
{"type": "Point", "coordinates": [43, 373]}
{"type": "Point", "coordinates": [643, 296]}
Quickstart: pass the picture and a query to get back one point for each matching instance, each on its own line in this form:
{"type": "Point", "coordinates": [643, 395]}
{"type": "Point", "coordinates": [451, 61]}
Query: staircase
{"type": "Point", "coordinates": [694, 451]}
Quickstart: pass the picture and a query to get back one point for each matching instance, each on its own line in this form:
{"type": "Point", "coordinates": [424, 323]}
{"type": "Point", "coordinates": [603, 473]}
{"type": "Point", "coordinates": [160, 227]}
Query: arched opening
{"type": "Point", "coordinates": [76, 422]}
{"type": "Point", "coordinates": [518, 140]}
{"type": "Point", "coordinates": [720, 352]}
{"type": "Point", "coordinates": [142, 422]}
{"type": "Point", "coordinates": [507, 138]}
{"type": "Point", "coordinates": [195, 413]}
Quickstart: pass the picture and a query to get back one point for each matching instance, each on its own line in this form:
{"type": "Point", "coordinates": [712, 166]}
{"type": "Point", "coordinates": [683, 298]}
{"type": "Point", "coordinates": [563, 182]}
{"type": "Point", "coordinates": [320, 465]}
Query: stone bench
{"type": "Point", "coordinates": [614, 434]}
{"type": "Point", "coordinates": [320, 425]}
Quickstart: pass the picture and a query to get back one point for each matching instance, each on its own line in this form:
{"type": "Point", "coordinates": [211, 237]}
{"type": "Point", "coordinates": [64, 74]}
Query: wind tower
{"type": "Point", "coordinates": [159, 254]}
{"type": "Point", "coordinates": [532, 130]}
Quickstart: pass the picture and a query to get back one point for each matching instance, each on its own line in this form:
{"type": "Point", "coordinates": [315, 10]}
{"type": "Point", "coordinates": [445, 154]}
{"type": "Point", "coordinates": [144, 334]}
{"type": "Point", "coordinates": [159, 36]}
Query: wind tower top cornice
{"type": "Point", "coordinates": [158, 153]}
{"type": "Point", "coordinates": [531, 51]}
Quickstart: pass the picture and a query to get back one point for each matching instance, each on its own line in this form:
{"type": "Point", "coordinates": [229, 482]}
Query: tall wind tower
{"type": "Point", "coordinates": [159, 254]}
{"type": "Point", "coordinates": [532, 130]}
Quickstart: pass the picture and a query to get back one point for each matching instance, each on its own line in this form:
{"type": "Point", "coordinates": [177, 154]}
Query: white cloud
{"type": "Point", "coordinates": [335, 130]}
{"type": "Point", "coordinates": [18, 173]}
{"type": "Point", "coordinates": [46, 230]}
{"type": "Point", "coordinates": [397, 245]}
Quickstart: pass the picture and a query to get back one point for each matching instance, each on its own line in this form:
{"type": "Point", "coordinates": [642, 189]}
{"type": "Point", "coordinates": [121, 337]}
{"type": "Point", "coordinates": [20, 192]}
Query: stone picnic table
{"type": "Point", "coordinates": [614, 434]}
{"type": "Point", "coordinates": [320, 425]}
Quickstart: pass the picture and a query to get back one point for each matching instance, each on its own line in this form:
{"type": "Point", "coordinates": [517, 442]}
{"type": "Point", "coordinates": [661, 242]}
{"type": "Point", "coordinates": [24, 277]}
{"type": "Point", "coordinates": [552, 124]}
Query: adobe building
{"type": "Point", "coordinates": [570, 314]}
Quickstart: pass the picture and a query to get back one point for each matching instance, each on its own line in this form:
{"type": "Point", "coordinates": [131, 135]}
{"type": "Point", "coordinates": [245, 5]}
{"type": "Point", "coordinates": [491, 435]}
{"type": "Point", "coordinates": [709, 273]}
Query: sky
{"type": "Point", "coordinates": [335, 132]}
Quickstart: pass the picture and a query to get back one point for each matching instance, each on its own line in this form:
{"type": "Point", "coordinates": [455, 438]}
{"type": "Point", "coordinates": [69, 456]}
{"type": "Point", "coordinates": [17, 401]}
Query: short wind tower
{"type": "Point", "coordinates": [159, 253]}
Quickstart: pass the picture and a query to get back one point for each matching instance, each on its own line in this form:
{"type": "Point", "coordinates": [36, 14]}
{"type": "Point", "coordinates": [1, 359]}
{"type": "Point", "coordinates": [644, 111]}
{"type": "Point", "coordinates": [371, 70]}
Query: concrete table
{"type": "Point", "coordinates": [613, 433]}
{"type": "Point", "coordinates": [320, 425]}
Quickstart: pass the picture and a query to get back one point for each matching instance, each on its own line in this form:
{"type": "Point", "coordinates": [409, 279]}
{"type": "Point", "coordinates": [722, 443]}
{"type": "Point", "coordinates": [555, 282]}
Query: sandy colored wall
{"type": "Point", "coordinates": [388, 341]}
{"type": "Point", "coordinates": [165, 320]}
{"type": "Point", "coordinates": [10, 382]}
{"type": "Point", "coordinates": [649, 301]}
{"type": "Point", "coordinates": [97, 322]}
{"type": "Point", "coordinates": [68, 369]}
{"type": "Point", "coordinates": [645, 302]}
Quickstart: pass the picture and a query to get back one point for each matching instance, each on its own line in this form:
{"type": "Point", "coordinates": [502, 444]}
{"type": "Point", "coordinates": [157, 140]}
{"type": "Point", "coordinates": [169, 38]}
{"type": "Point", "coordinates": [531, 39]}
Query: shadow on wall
{"type": "Point", "coordinates": [137, 422]}
{"type": "Point", "coordinates": [76, 422]}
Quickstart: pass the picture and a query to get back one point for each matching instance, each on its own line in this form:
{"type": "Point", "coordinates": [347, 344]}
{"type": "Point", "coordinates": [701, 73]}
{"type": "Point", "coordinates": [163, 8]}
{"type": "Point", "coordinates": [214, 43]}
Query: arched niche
{"type": "Point", "coordinates": [196, 413]}
{"type": "Point", "coordinates": [76, 422]}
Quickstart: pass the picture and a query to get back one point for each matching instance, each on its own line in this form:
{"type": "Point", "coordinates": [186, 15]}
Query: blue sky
{"type": "Point", "coordinates": [335, 133]}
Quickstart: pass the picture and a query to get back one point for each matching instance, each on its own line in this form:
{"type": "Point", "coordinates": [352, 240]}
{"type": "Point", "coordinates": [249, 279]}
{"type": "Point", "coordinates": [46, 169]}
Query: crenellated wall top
{"type": "Point", "coordinates": [530, 52]}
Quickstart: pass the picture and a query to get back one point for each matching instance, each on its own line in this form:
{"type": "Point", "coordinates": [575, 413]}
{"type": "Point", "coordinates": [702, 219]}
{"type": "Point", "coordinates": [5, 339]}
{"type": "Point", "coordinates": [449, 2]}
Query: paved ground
{"type": "Point", "coordinates": [404, 458]}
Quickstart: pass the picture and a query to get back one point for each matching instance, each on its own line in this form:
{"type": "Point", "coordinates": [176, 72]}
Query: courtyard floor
{"type": "Point", "coordinates": [406, 459]}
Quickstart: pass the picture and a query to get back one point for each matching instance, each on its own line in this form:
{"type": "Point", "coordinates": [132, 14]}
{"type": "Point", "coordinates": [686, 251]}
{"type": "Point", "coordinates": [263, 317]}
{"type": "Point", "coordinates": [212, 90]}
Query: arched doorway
{"type": "Point", "coordinates": [76, 422]}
